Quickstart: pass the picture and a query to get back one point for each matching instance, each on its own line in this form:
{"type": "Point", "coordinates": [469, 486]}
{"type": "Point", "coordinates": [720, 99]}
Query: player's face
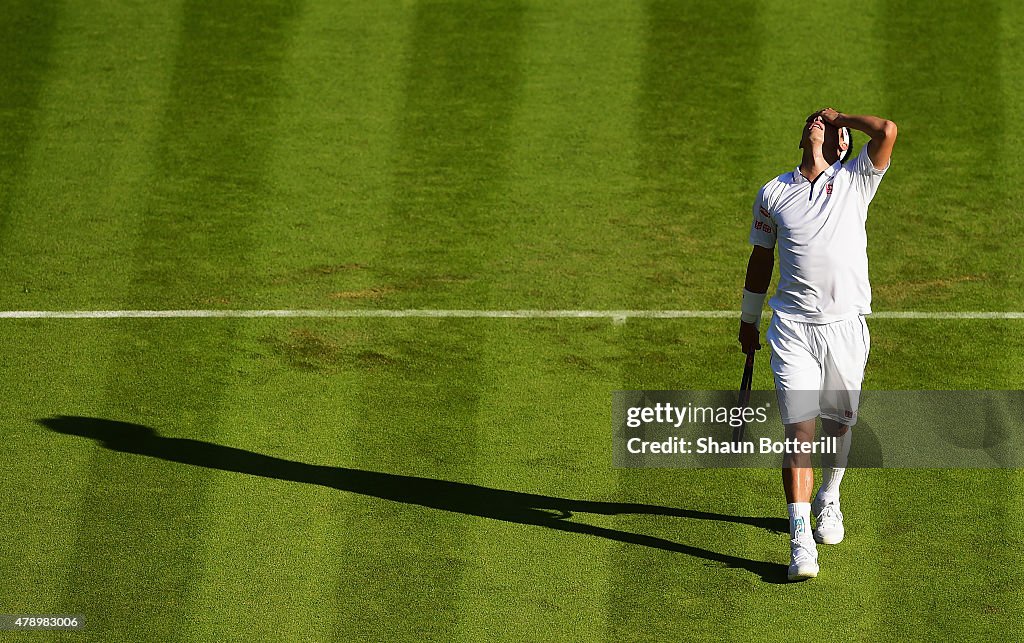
{"type": "Point", "coordinates": [814, 131]}
{"type": "Point", "coordinates": [818, 132]}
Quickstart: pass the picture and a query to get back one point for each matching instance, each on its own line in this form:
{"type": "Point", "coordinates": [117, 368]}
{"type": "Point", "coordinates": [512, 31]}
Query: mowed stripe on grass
{"type": "Point", "coordinates": [571, 154]}
{"type": "Point", "coordinates": [461, 87]}
{"type": "Point", "coordinates": [280, 548]}
{"type": "Point", "coordinates": [84, 130]}
{"type": "Point", "coordinates": [27, 35]}
{"type": "Point", "coordinates": [1012, 77]}
{"type": "Point", "coordinates": [143, 519]}
{"type": "Point", "coordinates": [685, 221]}
{"type": "Point", "coordinates": [954, 145]}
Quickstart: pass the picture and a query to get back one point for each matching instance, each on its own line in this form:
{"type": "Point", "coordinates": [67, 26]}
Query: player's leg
{"type": "Point", "coordinates": [828, 518]}
{"type": "Point", "coordinates": [797, 481]}
{"type": "Point", "coordinates": [797, 379]}
{"type": "Point", "coordinates": [797, 472]}
{"type": "Point", "coordinates": [847, 345]}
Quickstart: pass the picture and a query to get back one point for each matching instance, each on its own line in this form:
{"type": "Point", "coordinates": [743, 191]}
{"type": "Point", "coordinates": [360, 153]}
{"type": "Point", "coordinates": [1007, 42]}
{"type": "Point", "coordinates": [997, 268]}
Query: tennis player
{"type": "Point", "coordinates": [816, 215]}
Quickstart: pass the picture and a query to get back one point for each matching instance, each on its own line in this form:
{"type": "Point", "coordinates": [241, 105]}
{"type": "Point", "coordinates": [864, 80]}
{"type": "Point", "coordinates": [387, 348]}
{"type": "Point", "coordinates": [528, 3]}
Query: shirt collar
{"type": "Point", "coordinates": [829, 173]}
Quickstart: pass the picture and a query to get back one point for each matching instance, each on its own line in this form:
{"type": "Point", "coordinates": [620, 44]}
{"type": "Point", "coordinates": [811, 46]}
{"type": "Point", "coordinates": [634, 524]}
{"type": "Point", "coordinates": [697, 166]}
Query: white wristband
{"type": "Point", "coordinates": [753, 302]}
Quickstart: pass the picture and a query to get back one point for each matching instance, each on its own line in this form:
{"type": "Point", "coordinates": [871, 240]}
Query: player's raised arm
{"type": "Point", "coordinates": [755, 288]}
{"type": "Point", "coordinates": [882, 133]}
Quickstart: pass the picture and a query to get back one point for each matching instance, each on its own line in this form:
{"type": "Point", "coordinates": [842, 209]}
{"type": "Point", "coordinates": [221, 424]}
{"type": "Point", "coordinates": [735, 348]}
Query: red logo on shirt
{"type": "Point", "coordinates": [765, 213]}
{"type": "Point", "coordinates": [828, 189]}
{"type": "Point", "coordinates": [760, 225]}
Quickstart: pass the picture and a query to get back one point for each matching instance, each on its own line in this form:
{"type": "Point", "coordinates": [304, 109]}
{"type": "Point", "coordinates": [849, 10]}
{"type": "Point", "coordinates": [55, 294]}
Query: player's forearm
{"type": "Point", "coordinates": [759, 275]}
{"type": "Point", "coordinates": [875, 127]}
{"type": "Point", "coordinates": [759, 270]}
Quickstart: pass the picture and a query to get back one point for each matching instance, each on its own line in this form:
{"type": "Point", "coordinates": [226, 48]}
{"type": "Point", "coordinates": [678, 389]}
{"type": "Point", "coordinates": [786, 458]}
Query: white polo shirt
{"type": "Point", "coordinates": [819, 228]}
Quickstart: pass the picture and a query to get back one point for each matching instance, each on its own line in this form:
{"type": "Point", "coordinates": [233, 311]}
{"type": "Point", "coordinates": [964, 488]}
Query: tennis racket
{"type": "Point", "coordinates": [744, 400]}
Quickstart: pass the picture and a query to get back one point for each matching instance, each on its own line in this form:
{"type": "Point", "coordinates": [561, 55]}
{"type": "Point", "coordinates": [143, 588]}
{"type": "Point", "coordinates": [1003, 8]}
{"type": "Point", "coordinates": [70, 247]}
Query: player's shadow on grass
{"type": "Point", "coordinates": [469, 499]}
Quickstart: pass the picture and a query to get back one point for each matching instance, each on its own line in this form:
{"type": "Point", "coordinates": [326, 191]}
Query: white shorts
{"type": "Point", "coordinates": [819, 368]}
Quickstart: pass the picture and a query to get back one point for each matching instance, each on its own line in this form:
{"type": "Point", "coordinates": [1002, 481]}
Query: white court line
{"type": "Point", "coordinates": [614, 315]}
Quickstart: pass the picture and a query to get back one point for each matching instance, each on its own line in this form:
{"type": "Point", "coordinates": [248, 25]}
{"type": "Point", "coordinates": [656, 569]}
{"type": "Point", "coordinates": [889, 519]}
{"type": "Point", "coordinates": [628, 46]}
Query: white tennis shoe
{"type": "Point", "coordinates": [828, 528]}
{"type": "Point", "coordinates": [803, 559]}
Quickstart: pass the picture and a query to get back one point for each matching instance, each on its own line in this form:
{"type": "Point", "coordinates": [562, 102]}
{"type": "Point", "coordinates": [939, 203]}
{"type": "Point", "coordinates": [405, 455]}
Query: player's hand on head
{"type": "Point", "coordinates": [750, 338]}
{"type": "Point", "coordinates": [829, 115]}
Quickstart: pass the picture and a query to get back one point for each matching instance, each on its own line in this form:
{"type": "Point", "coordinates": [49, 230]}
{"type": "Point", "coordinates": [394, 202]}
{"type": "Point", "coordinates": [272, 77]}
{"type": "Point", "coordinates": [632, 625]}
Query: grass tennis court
{"type": "Point", "coordinates": [407, 479]}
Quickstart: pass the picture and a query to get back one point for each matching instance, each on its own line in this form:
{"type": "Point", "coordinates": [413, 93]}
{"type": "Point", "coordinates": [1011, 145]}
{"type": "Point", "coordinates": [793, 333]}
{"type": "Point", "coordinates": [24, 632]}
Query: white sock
{"type": "Point", "coordinates": [832, 475]}
{"type": "Point", "coordinates": [799, 520]}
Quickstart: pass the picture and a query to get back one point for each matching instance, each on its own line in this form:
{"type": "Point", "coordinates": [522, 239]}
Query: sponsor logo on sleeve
{"type": "Point", "coordinates": [764, 225]}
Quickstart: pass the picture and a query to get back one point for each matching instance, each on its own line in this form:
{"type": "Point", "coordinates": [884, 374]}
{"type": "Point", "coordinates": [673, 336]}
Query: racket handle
{"type": "Point", "coordinates": [745, 385]}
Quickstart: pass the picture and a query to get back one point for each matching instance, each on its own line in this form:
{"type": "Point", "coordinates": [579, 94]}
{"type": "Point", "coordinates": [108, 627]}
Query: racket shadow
{"type": "Point", "coordinates": [458, 497]}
